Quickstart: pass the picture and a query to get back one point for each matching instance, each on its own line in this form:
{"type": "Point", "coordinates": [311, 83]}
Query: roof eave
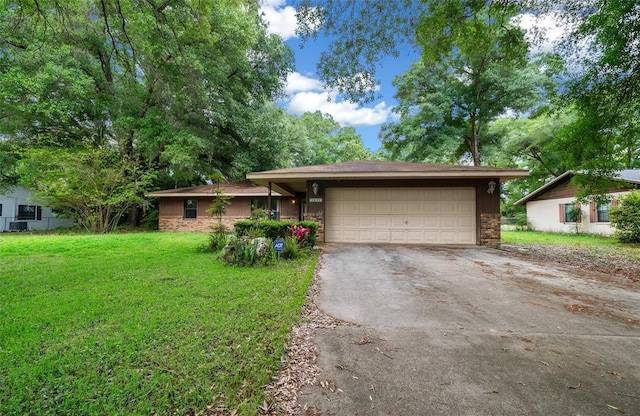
{"type": "Point", "coordinates": [264, 177]}
{"type": "Point", "coordinates": [544, 188]}
{"type": "Point", "coordinates": [196, 194]}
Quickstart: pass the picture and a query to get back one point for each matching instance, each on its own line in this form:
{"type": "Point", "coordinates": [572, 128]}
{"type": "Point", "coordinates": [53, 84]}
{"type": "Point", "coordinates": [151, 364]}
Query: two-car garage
{"type": "Point", "coordinates": [374, 201]}
{"type": "Point", "coordinates": [443, 215]}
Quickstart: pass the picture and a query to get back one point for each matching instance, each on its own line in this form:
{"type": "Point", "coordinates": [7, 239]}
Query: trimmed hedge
{"type": "Point", "coordinates": [273, 229]}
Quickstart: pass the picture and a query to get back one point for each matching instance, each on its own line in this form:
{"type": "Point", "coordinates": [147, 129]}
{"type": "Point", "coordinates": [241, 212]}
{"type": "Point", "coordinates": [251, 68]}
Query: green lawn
{"type": "Point", "coordinates": [537, 237]}
{"type": "Point", "coordinates": [139, 324]}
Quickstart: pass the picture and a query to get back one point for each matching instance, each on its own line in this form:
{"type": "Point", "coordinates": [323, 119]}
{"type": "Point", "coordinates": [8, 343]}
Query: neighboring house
{"type": "Point", "coordinates": [185, 209]}
{"type": "Point", "coordinates": [396, 202]}
{"type": "Point", "coordinates": [553, 207]}
{"type": "Point", "coordinates": [19, 213]}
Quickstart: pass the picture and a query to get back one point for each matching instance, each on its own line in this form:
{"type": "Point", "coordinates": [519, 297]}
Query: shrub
{"type": "Point", "coordinates": [218, 237]}
{"type": "Point", "coordinates": [522, 221]}
{"type": "Point", "coordinates": [150, 220]}
{"type": "Point", "coordinates": [273, 229]}
{"type": "Point", "coordinates": [626, 218]}
{"type": "Point", "coordinates": [292, 249]}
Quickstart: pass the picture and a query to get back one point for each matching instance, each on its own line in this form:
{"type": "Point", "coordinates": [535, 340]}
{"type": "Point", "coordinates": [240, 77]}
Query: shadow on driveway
{"type": "Point", "coordinates": [472, 331]}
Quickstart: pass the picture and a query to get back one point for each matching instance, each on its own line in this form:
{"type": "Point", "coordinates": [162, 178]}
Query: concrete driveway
{"type": "Point", "coordinates": [472, 331]}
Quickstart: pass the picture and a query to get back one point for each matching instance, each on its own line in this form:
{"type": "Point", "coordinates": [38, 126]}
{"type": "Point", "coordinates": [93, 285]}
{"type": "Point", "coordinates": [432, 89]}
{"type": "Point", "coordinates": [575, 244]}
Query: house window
{"type": "Point", "coordinates": [191, 208]}
{"type": "Point", "coordinates": [0, 210]}
{"type": "Point", "coordinates": [602, 212]}
{"type": "Point", "coordinates": [570, 213]}
{"type": "Point", "coordinates": [29, 212]}
{"type": "Point", "coordinates": [260, 204]}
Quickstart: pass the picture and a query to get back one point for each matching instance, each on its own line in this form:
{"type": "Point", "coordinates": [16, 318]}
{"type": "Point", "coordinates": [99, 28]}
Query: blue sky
{"type": "Point", "coordinates": [306, 93]}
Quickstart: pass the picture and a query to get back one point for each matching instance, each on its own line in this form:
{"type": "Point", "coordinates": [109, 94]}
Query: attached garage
{"type": "Point", "coordinates": [401, 215]}
{"type": "Point", "coordinates": [396, 202]}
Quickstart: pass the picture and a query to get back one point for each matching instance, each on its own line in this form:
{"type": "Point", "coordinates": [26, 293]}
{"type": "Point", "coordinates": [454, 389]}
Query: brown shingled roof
{"type": "Point", "coordinates": [241, 188]}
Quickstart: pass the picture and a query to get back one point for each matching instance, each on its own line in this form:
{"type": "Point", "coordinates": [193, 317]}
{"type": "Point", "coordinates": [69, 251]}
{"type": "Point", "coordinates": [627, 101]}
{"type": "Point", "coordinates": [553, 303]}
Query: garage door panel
{"type": "Point", "coordinates": [366, 221]}
{"type": "Point", "coordinates": [381, 207]}
{"type": "Point", "coordinates": [398, 207]}
{"type": "Point", "coordinates": [382, 221]}
{"type": "Point", "coordinates": [350, 221]}
{"type": "Point", "coordinates": [401, 215]}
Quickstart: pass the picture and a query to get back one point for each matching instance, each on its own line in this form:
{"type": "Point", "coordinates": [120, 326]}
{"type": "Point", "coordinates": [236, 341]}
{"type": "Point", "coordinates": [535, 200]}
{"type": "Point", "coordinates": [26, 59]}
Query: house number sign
{"type": "Point", "coordinates": [315, 199]}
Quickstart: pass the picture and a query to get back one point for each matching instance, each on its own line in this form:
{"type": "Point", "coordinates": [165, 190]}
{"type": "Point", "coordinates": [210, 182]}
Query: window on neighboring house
{"type": "Point", "coordinates": [191, 208]}
{"type": "Point", "coordinates": [29, 213]}
{"type": "Point", "coordinates": [261, 204]}
{"type": "Point", "coordinates": [570, 213]}
{"type": "Point", "coordinates": [603, 212]}
{"type": "Point", "coordinates": [0, 210]}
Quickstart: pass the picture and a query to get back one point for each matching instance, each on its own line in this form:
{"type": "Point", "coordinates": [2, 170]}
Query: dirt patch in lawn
{"type": "Point", "coordinates": [616, 265]}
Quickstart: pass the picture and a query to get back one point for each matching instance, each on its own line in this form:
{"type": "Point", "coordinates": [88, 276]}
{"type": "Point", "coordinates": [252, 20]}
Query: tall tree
{"type": "Point", "coordinates": [325, 141]}
{"type": "Point", "coordinates": [606, 88]}
{"type": "Point", "coordinates": [165, 85]}
{"type": "Point", "coordinates": [474, 68]}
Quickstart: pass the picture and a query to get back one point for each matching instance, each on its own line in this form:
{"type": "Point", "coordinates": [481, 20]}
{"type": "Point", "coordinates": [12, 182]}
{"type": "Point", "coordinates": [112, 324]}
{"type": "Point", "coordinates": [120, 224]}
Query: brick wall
{"type": "Point", "coordinates": [202, 224]}
{"type": "Point", "coordinates": [318, 218]}
{"type": "Point", "coordinates": [490, 230]}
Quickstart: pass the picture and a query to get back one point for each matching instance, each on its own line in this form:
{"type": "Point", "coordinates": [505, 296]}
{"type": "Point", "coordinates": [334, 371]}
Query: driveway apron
{"type": "Point", "coordinates": [471, 331]}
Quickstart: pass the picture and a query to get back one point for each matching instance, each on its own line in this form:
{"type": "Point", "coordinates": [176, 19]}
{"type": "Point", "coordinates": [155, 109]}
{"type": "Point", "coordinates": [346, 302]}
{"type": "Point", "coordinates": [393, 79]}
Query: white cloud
{"type": "Point", "coordinates": [344, 112]}
{"type": "Point", "coordinates": [544, 32]}
{"type": "Point", "coordinates": [299, 83]}
{"type": "Point", "coordinates": [281, 20]}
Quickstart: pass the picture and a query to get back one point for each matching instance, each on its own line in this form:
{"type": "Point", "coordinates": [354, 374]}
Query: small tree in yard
{"type": "Point", "coordinates": [626, 218]}
{"type": "Point", "coordinates": [219, 208]}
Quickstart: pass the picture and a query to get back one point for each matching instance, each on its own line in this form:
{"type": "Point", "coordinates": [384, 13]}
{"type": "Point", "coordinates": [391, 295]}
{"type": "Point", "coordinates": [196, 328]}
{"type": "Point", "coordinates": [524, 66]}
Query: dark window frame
{"type": "Point", "coordinates": [602, 212]}
{"type": "Point", "coordinates": [190, 208]}
{"type": "Point", "coordinates": [261, 204]}
{"type": "Point", "coordinates": [29, 213]}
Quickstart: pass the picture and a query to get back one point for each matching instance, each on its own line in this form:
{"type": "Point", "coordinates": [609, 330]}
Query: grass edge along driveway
{"type": "Point", "coordinates": [139, 324]}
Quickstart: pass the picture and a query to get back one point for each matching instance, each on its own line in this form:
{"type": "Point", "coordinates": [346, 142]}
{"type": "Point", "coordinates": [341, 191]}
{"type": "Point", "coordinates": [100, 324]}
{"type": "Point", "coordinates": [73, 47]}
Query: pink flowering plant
{"type": "Point", "coordinates": [299, 232]}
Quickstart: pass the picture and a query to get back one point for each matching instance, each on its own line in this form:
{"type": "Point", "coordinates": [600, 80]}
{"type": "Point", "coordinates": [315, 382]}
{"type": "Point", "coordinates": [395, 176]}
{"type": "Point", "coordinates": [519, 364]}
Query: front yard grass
{"type": "Point", "coordinates": [139, 324]}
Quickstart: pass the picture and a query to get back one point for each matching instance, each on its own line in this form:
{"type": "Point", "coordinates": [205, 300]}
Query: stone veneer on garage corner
{"type": "Point", "coordinates": [490, 230]}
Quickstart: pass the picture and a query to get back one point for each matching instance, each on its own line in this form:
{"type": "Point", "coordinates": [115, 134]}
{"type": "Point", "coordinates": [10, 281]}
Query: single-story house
{"type": "Point", "coordinates": [553, 206]}
{"type": "Point", "coordinates": [395, 202]}
{"type": "Point", "coordinates": [19, 213]}
{"type": "Point", "coordinates": [185, 209]}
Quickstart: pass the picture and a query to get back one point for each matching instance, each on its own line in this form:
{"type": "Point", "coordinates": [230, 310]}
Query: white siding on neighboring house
{"type": "Point", "coordinates": [545, 215]}
{"type": "Point", "coordinates": [44, 218]}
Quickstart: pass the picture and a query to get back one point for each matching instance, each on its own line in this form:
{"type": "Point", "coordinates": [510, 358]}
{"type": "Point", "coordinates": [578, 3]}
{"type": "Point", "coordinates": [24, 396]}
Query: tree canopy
{"type": "Point", "coordinates": [167, 86]}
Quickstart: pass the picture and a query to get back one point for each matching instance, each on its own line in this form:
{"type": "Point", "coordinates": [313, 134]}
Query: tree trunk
{"type": "Point", "coordinates": [474, 148]}
{"type": "Point", "coordinates": [133, 217]}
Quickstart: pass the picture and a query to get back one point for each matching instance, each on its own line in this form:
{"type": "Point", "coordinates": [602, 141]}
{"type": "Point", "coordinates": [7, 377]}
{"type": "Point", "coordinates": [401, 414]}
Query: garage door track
{"type": "Point", "coordinates": [472, 331]}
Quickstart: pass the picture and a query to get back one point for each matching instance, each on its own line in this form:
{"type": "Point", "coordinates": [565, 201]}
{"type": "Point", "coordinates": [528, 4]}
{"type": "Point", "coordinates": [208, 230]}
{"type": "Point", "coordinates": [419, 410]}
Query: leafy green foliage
{"type": "Point", "coordinates": [95, 187]}
{"type": "Point", "coordinates": [220, 200]}
{"type": "Point", "coordinates": [363, 34]}
{"type": "Point", "coordinates": [474, 68]}
{"type": "Point", "coordinates": [273, 229]}
{"type": "Point", "coordinates": [162, 327]}
{"type": "Point", "coordinates": [248, 251]}
{"type": "Point", "coordinates": [167, 87]}
{"type": "Point", "coordinates": [218, 237]}
{"type": "Point", "coordinates": [626, 218]}
{"type": "Point", "coordinates": [325, 141]}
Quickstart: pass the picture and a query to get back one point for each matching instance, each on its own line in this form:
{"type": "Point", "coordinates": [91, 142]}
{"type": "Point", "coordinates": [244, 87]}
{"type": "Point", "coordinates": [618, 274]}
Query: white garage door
{"type": "Point", "coordinates": [400, 215]}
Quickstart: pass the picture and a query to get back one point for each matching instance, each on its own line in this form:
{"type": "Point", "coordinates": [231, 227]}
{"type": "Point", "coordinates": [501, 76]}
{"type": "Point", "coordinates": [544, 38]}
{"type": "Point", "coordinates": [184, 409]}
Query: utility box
{"type": "Point", "coordinates": [18, 226]}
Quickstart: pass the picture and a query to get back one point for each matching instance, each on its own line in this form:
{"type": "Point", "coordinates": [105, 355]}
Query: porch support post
{"type": "Point", "coordinates": [269, 201]}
